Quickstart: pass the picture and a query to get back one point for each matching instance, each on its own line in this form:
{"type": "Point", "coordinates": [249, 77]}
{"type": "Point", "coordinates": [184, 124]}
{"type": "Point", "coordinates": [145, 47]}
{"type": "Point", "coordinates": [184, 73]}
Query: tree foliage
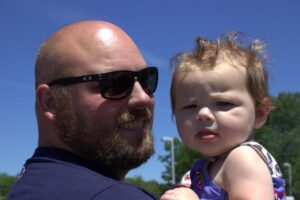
{"type": "Point", "coordinates": [280, 135]}
{"type": "Point", "coordinates": [6, 182]}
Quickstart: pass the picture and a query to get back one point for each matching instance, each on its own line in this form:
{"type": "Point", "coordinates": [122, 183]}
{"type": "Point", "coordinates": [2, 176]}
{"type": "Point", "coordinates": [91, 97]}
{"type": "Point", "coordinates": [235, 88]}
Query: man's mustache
{"type": "Point", "coordinates": [135, 114]}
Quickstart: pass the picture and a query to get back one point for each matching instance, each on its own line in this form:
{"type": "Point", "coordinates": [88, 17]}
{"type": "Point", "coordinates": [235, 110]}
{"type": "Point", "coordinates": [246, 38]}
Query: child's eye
{"type": "Point", "coordinates": [191, 106]}
{"type": "Point", "coordinates": [224, 104]}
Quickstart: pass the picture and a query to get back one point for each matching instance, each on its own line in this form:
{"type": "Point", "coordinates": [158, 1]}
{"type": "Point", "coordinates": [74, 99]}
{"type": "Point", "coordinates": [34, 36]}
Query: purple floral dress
{"type": "Point", "coordinates": [206, 189]}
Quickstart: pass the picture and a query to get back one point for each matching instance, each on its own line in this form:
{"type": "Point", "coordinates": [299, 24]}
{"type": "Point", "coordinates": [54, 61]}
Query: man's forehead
{"type": "Point", "coordinates": [98, 50]}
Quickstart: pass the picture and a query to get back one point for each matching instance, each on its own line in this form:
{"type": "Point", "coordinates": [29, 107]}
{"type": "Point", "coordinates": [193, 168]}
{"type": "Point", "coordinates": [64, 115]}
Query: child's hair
{"type": "Point", "coordinates": [231, 49]}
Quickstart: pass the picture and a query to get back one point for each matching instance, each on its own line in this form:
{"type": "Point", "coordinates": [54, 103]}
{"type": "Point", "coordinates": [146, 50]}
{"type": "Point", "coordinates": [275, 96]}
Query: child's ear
{"type": "Point", "coordinates": [262, 112]}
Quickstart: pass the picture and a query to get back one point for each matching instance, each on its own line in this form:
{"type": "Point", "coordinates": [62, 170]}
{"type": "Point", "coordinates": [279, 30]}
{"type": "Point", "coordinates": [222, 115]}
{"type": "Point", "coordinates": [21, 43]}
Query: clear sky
{"type": "Point", "coordinates": [161, 28]}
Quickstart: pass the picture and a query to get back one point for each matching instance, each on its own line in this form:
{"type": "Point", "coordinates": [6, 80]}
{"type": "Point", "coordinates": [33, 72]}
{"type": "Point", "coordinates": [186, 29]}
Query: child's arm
{"type": "Point", "coordinates": [180, 193]}
{"type": "Point", "coordinates": [246, 176]}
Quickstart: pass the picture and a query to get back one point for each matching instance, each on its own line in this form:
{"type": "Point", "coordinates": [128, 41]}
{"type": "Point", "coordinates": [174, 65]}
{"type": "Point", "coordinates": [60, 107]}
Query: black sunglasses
{"type": "Point", "coordinates": [117, 84]}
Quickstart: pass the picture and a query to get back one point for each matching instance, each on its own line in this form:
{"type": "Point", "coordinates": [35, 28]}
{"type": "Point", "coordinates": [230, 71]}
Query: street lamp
{"type": "Point", "coordinates": [171, 140]}
{"type": "Point", "coordinates": [289, 166]}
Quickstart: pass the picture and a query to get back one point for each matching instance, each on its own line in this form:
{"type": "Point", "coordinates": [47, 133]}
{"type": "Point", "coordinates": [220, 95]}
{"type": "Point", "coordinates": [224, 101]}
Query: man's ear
{"type": "Point", "coordinates": [262, 112]}
{"type": "Point", "coordinates": [45, 101]}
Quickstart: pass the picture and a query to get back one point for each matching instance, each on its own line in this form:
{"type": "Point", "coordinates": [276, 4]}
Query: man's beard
{"type": "Point", "coordinates": [106, 150]}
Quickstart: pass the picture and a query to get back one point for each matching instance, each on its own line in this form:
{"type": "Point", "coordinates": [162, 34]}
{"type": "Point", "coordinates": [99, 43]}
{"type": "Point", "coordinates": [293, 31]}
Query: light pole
{"type": "Point", "coordinates": [171, 140]}
{"type": "Point", "coordinates": [289, 166]}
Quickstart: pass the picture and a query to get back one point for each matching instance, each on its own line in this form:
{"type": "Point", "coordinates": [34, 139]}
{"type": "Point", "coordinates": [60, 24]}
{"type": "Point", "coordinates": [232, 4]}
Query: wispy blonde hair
{"type": "Point", "coordinates": [232, 48]}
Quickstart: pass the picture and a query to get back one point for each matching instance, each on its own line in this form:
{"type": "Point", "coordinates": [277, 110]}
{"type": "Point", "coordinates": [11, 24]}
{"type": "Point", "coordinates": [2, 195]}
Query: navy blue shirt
{"type": "Point", "coordinates": [57, 174]}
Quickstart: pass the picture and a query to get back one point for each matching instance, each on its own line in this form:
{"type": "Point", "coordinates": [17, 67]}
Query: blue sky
{"type": "Point", "coordinates": [161, 28]}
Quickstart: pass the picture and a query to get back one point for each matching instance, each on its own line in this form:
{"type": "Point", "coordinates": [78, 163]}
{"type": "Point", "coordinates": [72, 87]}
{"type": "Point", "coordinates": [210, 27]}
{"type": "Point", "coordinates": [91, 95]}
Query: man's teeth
{"type": "Point", "coordinates": [134, 125]}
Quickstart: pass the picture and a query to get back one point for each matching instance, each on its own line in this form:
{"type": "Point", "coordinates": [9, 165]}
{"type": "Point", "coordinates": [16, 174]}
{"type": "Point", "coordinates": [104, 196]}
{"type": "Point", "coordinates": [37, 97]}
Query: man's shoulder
{"type": "Point", "coordinates": [71, 185]}
{"type": "Point", "coordinates": [125, 191]}
{"type": "Point", "coordinates": [50, 178]}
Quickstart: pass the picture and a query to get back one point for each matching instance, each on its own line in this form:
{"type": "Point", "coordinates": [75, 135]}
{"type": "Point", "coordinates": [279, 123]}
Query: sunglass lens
{"type": "Point", "coordinates": [148, 79]}
{"type": "Point", "coordinates": [117, 85]}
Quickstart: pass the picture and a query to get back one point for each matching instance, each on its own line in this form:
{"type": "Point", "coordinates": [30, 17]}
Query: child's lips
{"type": "Point", "coordinates": [206, 135]}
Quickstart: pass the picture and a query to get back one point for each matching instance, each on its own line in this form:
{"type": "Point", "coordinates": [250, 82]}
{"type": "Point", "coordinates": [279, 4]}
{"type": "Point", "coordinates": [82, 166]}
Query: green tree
{"type": "Point", "coordinates": [6, 182]}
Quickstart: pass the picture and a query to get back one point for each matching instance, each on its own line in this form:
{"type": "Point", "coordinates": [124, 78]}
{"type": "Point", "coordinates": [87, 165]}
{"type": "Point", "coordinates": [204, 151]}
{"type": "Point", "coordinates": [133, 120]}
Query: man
{"type": "Point", "coordinates": [94, 108]}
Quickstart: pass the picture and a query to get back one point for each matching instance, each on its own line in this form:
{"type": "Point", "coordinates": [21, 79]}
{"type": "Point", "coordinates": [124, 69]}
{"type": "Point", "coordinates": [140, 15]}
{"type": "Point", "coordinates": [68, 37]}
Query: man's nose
{"type": "Point", "coordinates": [138, 95]}
{"type": "Point", "coordinates": [205, 114]}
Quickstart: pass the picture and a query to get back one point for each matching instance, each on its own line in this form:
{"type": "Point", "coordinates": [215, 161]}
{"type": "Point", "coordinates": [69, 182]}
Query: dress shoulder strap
{"type": "Point", "coordinates": [266, 156]}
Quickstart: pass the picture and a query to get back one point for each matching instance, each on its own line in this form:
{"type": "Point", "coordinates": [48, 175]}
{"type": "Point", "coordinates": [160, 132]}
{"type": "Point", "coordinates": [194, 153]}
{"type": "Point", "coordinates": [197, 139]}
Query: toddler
{"type": "Point", "coordinates": [219, 95]}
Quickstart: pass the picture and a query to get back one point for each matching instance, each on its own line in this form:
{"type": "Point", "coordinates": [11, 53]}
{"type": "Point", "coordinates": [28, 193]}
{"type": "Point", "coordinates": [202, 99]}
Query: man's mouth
{"type": "Point", "coordinates": [133, 125]}
{"type": "Point", "coordinates": [139, 119]}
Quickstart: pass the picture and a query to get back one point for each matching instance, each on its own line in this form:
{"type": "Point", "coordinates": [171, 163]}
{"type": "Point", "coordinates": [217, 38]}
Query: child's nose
{"type": "Point", "coordinates": [205, 114]}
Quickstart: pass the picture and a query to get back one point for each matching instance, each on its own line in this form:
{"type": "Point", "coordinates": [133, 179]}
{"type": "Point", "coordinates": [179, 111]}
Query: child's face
{"type": "Point", "coordinates": [213, 109]}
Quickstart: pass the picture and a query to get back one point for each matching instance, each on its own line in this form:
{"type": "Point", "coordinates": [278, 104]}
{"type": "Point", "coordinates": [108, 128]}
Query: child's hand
{"type": "Point", "coordinates": [180, 193]}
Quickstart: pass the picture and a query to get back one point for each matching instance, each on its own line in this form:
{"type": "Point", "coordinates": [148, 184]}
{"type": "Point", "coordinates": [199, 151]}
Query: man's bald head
{"type": "Point", "coordinates": [63, 53]}
{"type": "Point", "coordinates": [77, 117]}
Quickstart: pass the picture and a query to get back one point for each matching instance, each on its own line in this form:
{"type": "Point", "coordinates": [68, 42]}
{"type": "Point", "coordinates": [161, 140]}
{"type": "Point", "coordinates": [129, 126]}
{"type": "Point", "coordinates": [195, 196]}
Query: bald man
{"type": "Point", "coordinates": [94, 108]}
